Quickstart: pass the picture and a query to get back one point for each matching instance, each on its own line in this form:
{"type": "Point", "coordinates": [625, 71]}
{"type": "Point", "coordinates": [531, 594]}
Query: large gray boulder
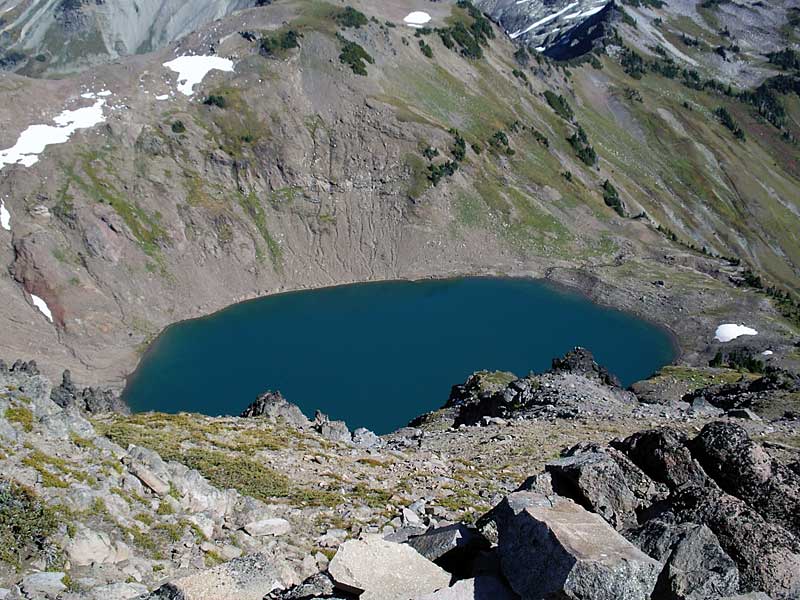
{"type": "Point", "coordinates": [664, 456]}
{"type": "Point", "coordinates": [479, 588]}
{"type": "Point", "coordinates": [555, 548]}
{"type": "Point", "coordinates": [597, 480]}
{"type": "Point", "coordinates": [381, 570]}
{"type": "Point", "coordinates": [248, 578]}
{"type": "Point", "coordinates": [696, 568]}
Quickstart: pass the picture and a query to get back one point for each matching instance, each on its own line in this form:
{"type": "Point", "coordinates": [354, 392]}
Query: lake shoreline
{"type": "Point", "coordinates": [288, 342]}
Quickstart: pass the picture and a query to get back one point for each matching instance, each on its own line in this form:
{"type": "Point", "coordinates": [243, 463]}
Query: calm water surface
{"type": "Point", "coordinates": [379, 354]}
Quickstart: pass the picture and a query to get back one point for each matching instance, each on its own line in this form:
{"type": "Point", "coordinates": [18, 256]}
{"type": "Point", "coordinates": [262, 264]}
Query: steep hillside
{"type": "Point", "coordinates": [346, 146]}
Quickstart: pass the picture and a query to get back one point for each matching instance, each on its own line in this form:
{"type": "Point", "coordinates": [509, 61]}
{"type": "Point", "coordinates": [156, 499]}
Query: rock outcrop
{"type": "Point", "coordinates": [274, 406]}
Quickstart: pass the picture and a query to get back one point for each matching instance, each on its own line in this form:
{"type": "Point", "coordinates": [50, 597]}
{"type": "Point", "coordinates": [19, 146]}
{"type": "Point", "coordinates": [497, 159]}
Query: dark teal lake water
{"type": "Point", "coordinates": [379, 354]}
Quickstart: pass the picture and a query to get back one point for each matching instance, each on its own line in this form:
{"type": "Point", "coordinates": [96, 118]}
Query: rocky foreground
{"type": "Point", "coordinates": [560, 485]}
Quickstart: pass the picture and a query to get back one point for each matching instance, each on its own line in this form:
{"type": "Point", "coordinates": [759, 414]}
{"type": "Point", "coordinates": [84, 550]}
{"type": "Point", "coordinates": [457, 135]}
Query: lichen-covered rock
{"type": "Point", "coordinates": [248, 578]}
{"type": "Point", "coordinates": [559, 549]}
{"type": "Point", "coordinates": [744, 469]}
{"type": "Point", "coordinates": [595, 480]}
{"type": "Point", "coordinates": [663, 455]}
{"type": "Point", "coordinates": [767, 555]}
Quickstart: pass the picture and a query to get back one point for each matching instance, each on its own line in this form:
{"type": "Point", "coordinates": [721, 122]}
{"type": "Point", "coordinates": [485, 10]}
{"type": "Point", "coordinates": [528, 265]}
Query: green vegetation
{"type": "Point", "coordinates": [146, 228]}
{"type": "Point", "coordinates": [469, 34]}
{"type": "Point", "coordinates": [26, 523]}
{"type": "Point", "coordinates": [740, 360]}
{"type": "Point", "coordinates": [559, 104]}
{"type": "Point", "coordinates": [252, 207]}
{"type": "Point", "coordinates": [222, 453]}
{"type": "Point", "coordinates": [426, 49]}
{"type": "Point", "coordinates": [583, 149]}
{"type": "Point", "coordinates": [216, 100]}
{"type": "Point", "coordinates": [350, 17]}
{"type": "Point", "coordinates": [354, 56]}
{"type": "Point", "coordinates": [611, 198]}
{"type": "Point", "coordinates": [178, 127]}
{"type": "Point", "coordinates": [20, 415]}
{"type": "Point", "coordinates": [237, 129]}
{"type": "Point", "coordinates": [438, 172]}
{"type": "Point", "coordinates": [276, 45]}
{"type": "Point", "coordinates": [499, 143]}
{"type": "Point", "coordinates": [729, 122]}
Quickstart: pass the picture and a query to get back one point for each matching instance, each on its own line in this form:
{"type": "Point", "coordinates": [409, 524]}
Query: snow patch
{"type": "Point", "coordinates": [192, 70]}
{"type": "Point", "coordinates": [32, 142]}
{"type": "Point", "coordinates": [42, 306]}
{"type": "Point", "coordinates": [730, 331]}
{"type": "Point", "coordinates": [417, 18]}
{"type": "Point", "coordinates": [767, 353]}
{"type": "Point", "coordinates": [546, 19]}
{"type": "Point", "coordinates": [5, 217]}
{"type": "Point", "coordinates": [163, 97]}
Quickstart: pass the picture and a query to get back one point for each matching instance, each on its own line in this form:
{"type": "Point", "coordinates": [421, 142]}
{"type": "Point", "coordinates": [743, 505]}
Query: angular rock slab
{"type": "Point", "coordinates": [249, 578]}
{"type": "Point", "coordinates": [381, 570]}
{"type": "Point", "coordinates": [479, 588]}
{"type": "Point", "coordinates": [558, 549]}
{"type": "Point", "coordinates": [443, 541]}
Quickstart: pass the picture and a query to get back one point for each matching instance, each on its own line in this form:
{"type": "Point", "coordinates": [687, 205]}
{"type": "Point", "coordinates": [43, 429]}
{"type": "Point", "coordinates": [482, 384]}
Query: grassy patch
{"type": "Point", "coordinates": [252, 207]}
{"type": "Point", "coordinates": [25, 524]}
{"type": "Point", "coordinates": [221, 453]}
{"type": "Point", "coordinates": [20, 415]}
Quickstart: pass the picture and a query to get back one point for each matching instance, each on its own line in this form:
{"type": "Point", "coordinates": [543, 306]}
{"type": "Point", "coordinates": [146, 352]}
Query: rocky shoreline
{"type": "Point", "coordinates": [276, 505]}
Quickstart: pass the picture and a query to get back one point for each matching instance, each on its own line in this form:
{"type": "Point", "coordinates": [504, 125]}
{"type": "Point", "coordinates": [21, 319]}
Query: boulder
{"type": "Point", "coordinates": [275, 407]}
{"type": "Point", "coordinates": [335, 431]}
{"type": "Point", "coordinates": [499, 517]}
{"type": "Point", "coordinates": [556, 548]}
{"type": "Point", "coordinates": [364, 438]}
{"type": "Point", "coordinates": [43, 585]}
{"type": "Point", "coordinates": [596, 481]}
{"type": "Point", "coordinates": [767, 555]}
{"type": "Point", "coordinates": [453, 547]}
{"type": "Point", "coordinates": [663, 455]}
{"type": "Point", "coordinates": [89, 547]}
{"type": "Point", "coordinates": [319, 585]}
{"type": "Point", "coordinates": [274, 527]}
{"type": "Point", "coordinates": [149, 478]}
{"type": "Point", "coordinates": [479, 588]}
{"type": "Point", "coordinates": [248, 578]}
{"type": "Point", "coordinates": [744, 469]}
{"type": "Point", "coordinates": [697, 567]}
{"type": "Point", "coordinates": [381, 570]}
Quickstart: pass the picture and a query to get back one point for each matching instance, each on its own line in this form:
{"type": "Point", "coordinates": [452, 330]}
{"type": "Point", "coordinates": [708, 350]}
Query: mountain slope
{"type": "Point", "coordinates": [294, 171]}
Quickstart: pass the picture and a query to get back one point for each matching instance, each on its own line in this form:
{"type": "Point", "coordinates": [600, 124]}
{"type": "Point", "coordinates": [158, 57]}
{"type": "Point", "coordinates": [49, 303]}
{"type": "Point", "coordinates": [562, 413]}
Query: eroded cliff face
{"type": "Point", "coordinates": [72, 35]}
